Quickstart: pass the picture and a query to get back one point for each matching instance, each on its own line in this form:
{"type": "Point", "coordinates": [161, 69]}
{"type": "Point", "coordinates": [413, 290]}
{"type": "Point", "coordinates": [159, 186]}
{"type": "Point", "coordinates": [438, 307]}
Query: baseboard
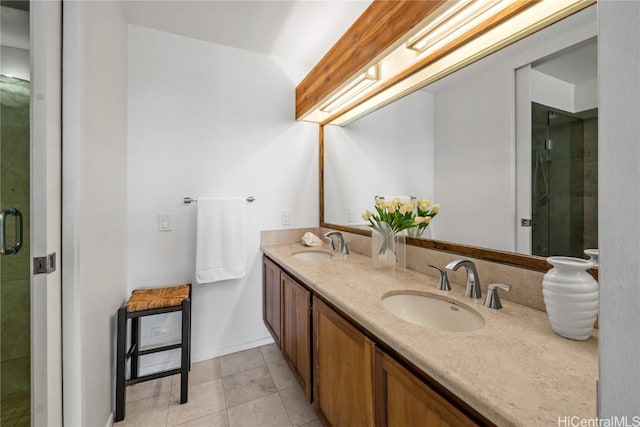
{"type": "Point", "coordinates": [159, 363]}
{"type": "Point", "coordinates": [233, 349]}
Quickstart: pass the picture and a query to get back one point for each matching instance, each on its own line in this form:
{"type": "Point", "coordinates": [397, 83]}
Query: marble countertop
{"type": "Point", "coordinates": [514, 371]}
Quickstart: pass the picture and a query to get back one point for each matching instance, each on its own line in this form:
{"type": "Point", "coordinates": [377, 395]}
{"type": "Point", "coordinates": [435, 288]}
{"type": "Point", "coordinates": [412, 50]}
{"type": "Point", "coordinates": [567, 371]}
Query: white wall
{"type": "Point", "coordinates": [473, 158]}
{"type": "Point", "coordinates": [14, 41]}
{"type": "Point", "coordinates": [475, 146]}
{"type": "Point", "coordinates": [553, 92]}
{"type": "Point", "coordinates": [387, 153]}
{"type": "Point", "coordinates": [94, 204]}
{"type": "Point", "coordinates": [619, 197]}
{"type": "Point", "coordinates": [15, 62]}
{"type": "Point", "coordinates": [209, 120]}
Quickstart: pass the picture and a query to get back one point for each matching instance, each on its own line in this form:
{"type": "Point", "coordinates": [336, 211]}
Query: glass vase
{"type": "Point", "coordinates": [415, 231]}
{"type": "Point", "coordinates": [388, 249]}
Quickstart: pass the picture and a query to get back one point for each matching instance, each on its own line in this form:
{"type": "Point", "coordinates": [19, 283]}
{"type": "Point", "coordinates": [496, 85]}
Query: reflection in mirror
{"type": "Point", "coordinates": [469, 143]}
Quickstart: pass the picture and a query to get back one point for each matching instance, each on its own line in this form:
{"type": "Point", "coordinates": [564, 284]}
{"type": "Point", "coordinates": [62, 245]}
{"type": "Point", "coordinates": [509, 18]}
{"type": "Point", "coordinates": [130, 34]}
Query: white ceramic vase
{"type": "Point", "coordinates": [571, 297]}
{"type": "Point", "coordinates": [594, 255]}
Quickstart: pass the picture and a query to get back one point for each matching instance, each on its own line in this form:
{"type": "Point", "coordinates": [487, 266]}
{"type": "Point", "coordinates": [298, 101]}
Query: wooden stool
{"type": "Point", "coordinates": [148, 302]}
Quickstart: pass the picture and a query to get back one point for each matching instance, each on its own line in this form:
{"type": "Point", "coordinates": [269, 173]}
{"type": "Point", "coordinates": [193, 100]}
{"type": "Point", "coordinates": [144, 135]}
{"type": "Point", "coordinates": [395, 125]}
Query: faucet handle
{"type": "Point", "coordinates": [493, 300]}
{"type": "Point", "coordinates": [327, 236]}
{"type": "Point", "coordinates": [443, 284]}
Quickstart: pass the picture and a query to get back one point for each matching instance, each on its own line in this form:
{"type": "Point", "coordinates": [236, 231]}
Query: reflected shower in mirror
{"type": "Point", "coordinates": [471, 142]}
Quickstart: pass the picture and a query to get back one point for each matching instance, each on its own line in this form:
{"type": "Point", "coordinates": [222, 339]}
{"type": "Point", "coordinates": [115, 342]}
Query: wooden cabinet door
{"type": "Point", "coordinates": [403, 400]}
{"type": "Point", "coordinates": [343, 370]}
{"type": "Point", "coordinates": [271, 298]}
{"type": "Point", "coordinates": [296, 330]}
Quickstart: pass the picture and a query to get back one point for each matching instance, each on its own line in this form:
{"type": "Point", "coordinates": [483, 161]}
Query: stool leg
{"type": "Point", "coordinates": [135, 341]}
{"type": "Point", "coordinates": [185, 350]}
{"type": "Point", "coordinates": [121, 341]}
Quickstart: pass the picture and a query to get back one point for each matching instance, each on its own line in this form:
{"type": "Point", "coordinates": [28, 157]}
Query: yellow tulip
{"type": "Point", "coordinates": [423, 204]}
{"type": "Point", "coordinates": [406, 207]}
{"type": "Point", "coordinates": [418, 220]}
{"type": "Point", "coordinates": [435, 209]}
{"type": "Point", "coordinates": [368, 214]}
{"type": "Point", "coordinates": [427, 219]}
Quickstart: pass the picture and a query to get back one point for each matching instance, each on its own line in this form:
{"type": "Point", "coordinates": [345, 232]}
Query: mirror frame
{"type": "Point", "coordinates": [532, 262]}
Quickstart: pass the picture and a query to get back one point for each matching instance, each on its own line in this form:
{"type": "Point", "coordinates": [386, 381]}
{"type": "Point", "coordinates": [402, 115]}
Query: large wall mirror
{"type": "Point", "coordinates": [506, 145]}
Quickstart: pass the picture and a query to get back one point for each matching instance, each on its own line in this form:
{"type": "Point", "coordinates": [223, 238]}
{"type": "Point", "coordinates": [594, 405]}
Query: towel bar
{"type": "Point", "coordinates": [189, 200]}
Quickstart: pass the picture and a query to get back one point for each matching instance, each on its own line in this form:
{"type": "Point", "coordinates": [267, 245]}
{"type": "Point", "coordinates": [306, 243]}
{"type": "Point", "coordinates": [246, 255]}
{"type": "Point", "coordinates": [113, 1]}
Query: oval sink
{"type": "Point", "coordinates": [312, 255]}
{"type": "Point", "coordinates": [433, 311]}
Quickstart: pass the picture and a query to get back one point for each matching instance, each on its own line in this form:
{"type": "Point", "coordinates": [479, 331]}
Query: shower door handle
{"type": "Point", "coordinates": [4, 214]}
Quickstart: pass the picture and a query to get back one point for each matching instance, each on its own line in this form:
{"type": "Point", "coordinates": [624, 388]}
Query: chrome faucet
{"type": "Point", "coordinates": [343, 247]}
{"type": "Point", "coordinates": [473, 281]}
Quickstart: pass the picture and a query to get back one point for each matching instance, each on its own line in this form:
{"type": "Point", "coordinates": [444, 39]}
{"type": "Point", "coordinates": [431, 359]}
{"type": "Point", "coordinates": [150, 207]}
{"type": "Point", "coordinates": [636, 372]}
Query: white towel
{"type": "Point", "coordinates": [221, 239]}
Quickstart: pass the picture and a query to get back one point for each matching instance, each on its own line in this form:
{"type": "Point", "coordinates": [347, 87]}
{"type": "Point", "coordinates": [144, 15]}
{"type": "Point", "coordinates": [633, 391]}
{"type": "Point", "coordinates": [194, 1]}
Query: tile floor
{"type": "Point", "coordinates": [252, 388]}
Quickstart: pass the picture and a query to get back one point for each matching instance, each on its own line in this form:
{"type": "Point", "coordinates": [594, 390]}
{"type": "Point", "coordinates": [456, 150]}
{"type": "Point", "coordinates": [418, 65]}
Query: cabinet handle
{"type": "Point", "coordinates": [4, 214]}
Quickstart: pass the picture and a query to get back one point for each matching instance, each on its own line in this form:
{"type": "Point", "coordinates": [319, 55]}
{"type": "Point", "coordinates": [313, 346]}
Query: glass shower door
{"type": "Point", "coordinates": [15, 338]}
{"type": "Point", "coordinates": [15, 272]}
{"type": "Point", "coordinates": [563, 178]}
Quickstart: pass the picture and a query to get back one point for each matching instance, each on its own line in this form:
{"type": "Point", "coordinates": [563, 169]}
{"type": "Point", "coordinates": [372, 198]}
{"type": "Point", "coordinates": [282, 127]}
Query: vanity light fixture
{"type": "Point", "coordinates": [362, 82]}
{"type": "Point", "coordinates": [454, 21]}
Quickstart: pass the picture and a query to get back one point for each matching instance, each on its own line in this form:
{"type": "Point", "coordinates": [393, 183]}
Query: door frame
{"type": "Point", "coordinates": [46, 219]}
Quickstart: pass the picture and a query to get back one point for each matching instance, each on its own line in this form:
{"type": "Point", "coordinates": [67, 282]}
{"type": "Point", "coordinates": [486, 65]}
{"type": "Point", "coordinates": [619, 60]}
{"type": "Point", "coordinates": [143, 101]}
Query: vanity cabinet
{"type": "Point", "coordinates": [271, 290]}
{"type": "Point", "coordinates": [343, 370]}
{"type": "Point", "coordinates": [403, 400]}
{"type": "Point", "coordinates": [286, 310]}
{"type": "Point", "coordinates": [352, 380]}
{"type": "Point", "coordinates": [296, 330]}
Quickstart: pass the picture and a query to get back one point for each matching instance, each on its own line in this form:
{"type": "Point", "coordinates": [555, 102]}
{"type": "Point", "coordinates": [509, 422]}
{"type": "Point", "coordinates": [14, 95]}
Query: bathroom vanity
{"type": "Point", "coordinates": [362, 365]}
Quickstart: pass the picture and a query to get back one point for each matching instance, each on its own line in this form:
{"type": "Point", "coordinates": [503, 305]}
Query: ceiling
{"type": "Point", "coordinates": [301, 30]}
{"type": "Point", "coordinates": [574, 65]}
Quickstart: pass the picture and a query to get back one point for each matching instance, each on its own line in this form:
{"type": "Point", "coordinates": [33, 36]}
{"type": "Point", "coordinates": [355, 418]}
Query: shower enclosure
{"type": "Point", "coordinates": [564, 181]}
{"type": "Point", "coordinates": [15, 273]}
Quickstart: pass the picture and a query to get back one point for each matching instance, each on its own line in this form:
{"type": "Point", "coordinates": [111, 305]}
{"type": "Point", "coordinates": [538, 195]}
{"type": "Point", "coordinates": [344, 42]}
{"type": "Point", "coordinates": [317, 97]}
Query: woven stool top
{"type": "Point", "coordinates": [146, 299]}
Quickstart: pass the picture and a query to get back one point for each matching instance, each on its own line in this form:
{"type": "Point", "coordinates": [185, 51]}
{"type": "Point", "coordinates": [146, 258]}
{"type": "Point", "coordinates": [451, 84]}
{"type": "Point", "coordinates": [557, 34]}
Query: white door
{"type": "Point", "coordinates": [46, 297]}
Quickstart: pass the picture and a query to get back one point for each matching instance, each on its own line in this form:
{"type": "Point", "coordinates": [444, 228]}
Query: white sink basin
{"type": "Point", "coordinates": [433, 312]}
{"type": "Point", "coordinates": [312, 255]}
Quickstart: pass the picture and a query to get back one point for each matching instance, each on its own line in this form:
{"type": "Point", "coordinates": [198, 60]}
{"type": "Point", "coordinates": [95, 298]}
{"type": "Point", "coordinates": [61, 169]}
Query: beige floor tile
{"type": "Point", "coordinates": [153, 418]}
{"type": "Point", "coordinates": [148, 389]}
{"type": "Point", "coordinates": [271, 353]}
{"type": "Point", "coordinates": [314, 423]}
{"type": "Point", "coordinates": [204, 399]}
{"type": "Point", "coordinates": [266, 411]}
{"type": "Point", "coordinates": [282, 376]}
{"type": "Point", "coordinates": [300, 411]}
{"type": "Point", "coordinates": [201, 372]}
{"type": "Point", "coordinates": [241, 361]}
{"type": "Point", "coordinates": [219, 419]}
{"type": "Point", "coordinates": [140, 406]}
{"type": "Point", "coordinates": [248, 385]}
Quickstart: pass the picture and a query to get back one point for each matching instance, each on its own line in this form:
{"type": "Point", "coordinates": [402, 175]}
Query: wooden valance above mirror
{"type": "Point", "coordinates": [373, 65]}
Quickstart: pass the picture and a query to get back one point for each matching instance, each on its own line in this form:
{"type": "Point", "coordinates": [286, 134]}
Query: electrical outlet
{"type": "Point", "coordinates": [164, 221]}
{"type": "Point", "coordinates": [351, 215]}
{"type": "Point", "coordinates": [286, 218]}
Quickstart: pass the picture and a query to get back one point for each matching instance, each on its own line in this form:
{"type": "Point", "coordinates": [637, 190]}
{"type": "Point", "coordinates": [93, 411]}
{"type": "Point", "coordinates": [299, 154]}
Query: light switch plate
{"type": "Point", "coordinates": [165, 221]}
{"type": "Point", "coordinates": [286, 218]}
{"type": "Point", "coordinates": [351, 215]}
